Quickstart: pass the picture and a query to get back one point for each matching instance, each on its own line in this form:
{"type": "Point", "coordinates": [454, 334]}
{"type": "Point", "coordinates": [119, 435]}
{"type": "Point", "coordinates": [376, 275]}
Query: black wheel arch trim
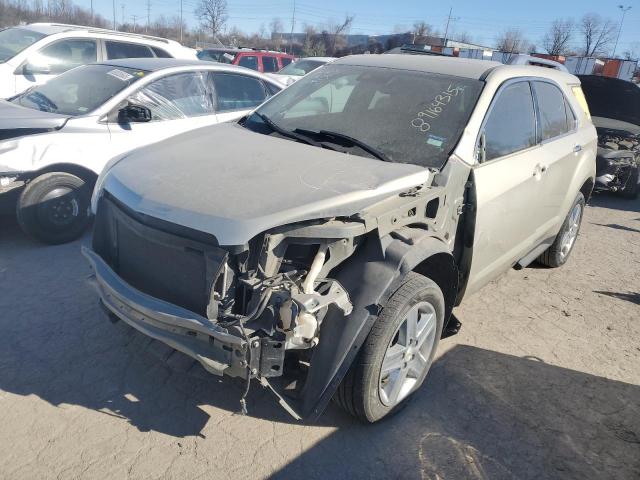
{"type": "Point", "coordinates": [371, 276]}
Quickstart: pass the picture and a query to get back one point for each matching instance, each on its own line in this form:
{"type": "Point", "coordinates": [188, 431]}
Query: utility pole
{"type": "Point", "coordinates": [624, 11]}
{"type": "Point", "coordinates": [293, 22]}
{"type": "Point", "coordinates": [114, 15]}
{"type": "Point", "coordinates": [148, 15]}
{"type": "Point", "coordinates": [122, 6]}
{"type": "Point", "coordinates": [135, 18]}
{"type": "Point", "coordinates": [180, 21]}
{"type": "Point", "coordinates": [446, 29]}
{"type": "Point", "coordinates": [91, 11]}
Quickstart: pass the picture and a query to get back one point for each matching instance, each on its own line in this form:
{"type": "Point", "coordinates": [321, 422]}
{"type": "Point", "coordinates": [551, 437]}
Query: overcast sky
{"type": "Point", "coordinates": [483, 20]}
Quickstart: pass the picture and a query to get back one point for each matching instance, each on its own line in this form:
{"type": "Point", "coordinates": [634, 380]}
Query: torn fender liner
{"type": "Point", "coordinates": [370, 278]}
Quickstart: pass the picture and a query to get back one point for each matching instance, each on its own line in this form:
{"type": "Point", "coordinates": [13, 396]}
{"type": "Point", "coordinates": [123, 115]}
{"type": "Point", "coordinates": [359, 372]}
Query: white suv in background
{"type": "Point", "coordinates": [33, 54]}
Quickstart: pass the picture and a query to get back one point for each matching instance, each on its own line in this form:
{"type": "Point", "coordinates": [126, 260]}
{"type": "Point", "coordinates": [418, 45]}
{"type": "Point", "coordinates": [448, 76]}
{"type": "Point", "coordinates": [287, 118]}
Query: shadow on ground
{"type": "Point", "coordinates": [615, 202]}
{"type": "Point", "coordinates": [482, 414]}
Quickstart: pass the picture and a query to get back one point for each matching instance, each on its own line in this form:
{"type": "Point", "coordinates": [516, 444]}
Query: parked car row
{"type": "Point", "coordinates": [319, 238]}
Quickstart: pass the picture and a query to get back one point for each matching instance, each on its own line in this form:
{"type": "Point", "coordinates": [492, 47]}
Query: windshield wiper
{"type": "Point", "coordinates": [353, 141]}
{"type": "Point", "coordinates": [284, 132]}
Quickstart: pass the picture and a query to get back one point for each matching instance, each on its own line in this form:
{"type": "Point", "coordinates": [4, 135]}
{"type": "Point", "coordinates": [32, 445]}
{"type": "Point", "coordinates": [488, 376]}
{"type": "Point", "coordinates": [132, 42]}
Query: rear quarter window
{"type": "Point", "coordinates": [582, 101]}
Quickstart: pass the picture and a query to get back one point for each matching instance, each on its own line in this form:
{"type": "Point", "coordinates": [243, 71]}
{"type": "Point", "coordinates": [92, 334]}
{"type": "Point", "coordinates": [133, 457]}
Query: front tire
{"type": "Point", "coordinates": [398, 352]}
{"type": "Point", "coordinates": [558, 253]}
{"type": "Point", "coordinates": [54, 207]}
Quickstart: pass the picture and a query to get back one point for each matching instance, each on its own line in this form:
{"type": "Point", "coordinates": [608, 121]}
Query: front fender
{"type": "Point", "coordinates": [370, 276]}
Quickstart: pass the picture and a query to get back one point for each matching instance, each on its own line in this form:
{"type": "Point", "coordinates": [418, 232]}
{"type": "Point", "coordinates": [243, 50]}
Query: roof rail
{"type": "Point", "coordinates": [521, 59]}
{"type": "Point", "coordinates": [105, 30]}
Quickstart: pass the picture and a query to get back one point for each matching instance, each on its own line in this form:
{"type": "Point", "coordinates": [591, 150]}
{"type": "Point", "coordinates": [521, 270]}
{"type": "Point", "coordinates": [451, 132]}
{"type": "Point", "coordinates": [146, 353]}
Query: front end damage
{"type": "Point", "coordinates": [286, 308]}
{"type": "Point", "coordinates": [618, 161]}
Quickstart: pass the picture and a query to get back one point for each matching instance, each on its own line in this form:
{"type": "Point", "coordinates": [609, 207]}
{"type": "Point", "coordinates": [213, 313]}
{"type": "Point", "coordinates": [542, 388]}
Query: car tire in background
{"type": "Point", "coordinates": [54, 207]}
{"type": "Point", "coordinates": [397, 354]}
{"type": "Point", "coordinates": [632, 188]}
{"type": "Point", "coordinates": [558, 253]}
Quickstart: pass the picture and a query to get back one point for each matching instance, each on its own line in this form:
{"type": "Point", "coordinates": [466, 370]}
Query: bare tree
{"type": "Point", "coordinates": [421, 30]}
{"type": "Point", "coordinates": [512, 41]}
{"type": "Point", "coordinates": [335, 31]}
{"type": "Point", "coordinates": [556, 40]}
{"type": "Point", "coordinates": [463, 37]}
{"type": "Point", "coordinates": [213, 15]}
{"type": "Point", "coordinates": [633, 52]}
{"type": "Point", "coordinates": [597, 34]}
{"type": "Point", "coordinates": [276, 27]}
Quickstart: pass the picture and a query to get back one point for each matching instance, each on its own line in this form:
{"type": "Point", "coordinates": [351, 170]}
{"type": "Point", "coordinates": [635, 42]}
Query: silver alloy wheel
{"type": "Point", "coordinates": [569, 237]}
{"type": "Point", "coordinates": [408, 353]}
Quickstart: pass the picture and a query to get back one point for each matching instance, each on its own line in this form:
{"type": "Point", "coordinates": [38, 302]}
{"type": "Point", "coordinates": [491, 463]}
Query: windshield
{"type": "Point", "coordinates": [79, 91]}
{"type": "Point", "coordinates": [301, 67]}
{"type": "Point", "coordinates": [216, 56]}
{"type": "Point", "coordinates": [14, 40]}
{"type": "Point", "coordinates": [396, 115]}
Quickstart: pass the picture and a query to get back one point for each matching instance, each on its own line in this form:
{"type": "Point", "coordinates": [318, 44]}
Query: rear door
{"type": "Point", "coordinates": [237, 94]}
{"type": "Point", "coordinates": [178, 102]}
{"type": "Point", "coordinates": [509, 222]}
{"type": "Point", "coordinates": [560, 148]}
{"type": "Point", "coordinates": [116, 50]}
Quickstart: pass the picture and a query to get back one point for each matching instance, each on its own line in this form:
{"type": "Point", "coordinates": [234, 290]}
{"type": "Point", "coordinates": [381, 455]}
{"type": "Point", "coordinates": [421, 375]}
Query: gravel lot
{"type": "Point", "coordinates": [543, 381]}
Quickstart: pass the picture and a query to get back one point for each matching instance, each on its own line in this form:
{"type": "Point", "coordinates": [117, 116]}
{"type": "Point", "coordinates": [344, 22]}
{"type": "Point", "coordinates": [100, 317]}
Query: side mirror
{"type": "Point", "coordinates": [34, 69]}
{"type": "Point", "coordinates": [134, 114]}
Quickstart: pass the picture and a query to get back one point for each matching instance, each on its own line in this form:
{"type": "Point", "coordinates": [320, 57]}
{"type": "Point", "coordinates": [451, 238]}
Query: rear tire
{"type": "Point", "coordinates": [396, 356]}
{"type": "Point", "coordinates": [54, 207]}
{"type": "Point", "coordinates": [558, 253]}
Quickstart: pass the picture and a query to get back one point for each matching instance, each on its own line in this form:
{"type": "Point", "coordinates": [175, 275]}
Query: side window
{"type": "Point", "coordinates": [271, 88]}
{"type": "Point", "coordinates": [160, 53]}
{"type": "Point", "coordinates": [249, 61]}
{"type": "Point", "coordinates": [182, 95]}
{"type": "Point", "coordinates": [237, 92]}
{"type": "Point", "coordinates": [269, 64]}
{"type": "Point", "coordinates": [511, 123]}
{"type": "Point", "coordinates": [285, 61]}
{"type": "Point", "coordinates": [116, 50]}
{"type": "Point", "coordinates": [552, 110]}
{"type": "Point", "coordinates": [65, 54]}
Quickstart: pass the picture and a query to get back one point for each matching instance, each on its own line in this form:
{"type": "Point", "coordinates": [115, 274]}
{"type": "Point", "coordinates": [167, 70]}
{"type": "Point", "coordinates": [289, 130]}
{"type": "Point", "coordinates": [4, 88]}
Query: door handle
{"type": "Point", "coordinates": [577, 148]}
{"type": "Point", "coordinates": [539, 170]}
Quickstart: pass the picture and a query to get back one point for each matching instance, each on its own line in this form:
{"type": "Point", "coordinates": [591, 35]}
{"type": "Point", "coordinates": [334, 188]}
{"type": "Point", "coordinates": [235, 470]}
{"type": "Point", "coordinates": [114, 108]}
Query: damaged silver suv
{"type": "Point", "coordinates": [321, 244]}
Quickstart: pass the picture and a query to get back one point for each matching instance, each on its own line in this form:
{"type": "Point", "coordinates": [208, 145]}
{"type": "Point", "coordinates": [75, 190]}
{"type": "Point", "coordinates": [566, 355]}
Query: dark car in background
{"type": "Point", "coordinates": [266, 61]}
{"type": "Point", "coordinates": [615, 110]}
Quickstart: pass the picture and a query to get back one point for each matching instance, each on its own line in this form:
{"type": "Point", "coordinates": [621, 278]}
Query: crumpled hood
{"type": "Point", "coordinates": [234, 183]}
{"type": "Point", "coordinates": [16, 121]}
{"type": "Point", "coordinates": [612, 98]}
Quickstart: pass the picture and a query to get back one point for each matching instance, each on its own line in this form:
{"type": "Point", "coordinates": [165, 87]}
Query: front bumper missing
{"type": "Point", "coordinates": [219, 351]}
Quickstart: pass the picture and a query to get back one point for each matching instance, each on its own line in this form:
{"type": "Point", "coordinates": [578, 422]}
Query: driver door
{"type": "Point", "coordinates": [177, 102]}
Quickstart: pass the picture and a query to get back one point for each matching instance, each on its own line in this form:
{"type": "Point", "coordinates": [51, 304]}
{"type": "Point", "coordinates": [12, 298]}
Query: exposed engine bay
{"type": "Point", "coordinates": [618, 160]}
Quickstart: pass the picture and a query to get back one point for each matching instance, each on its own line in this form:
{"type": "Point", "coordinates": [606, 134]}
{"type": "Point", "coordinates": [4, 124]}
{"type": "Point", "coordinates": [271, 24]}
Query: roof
{"type": "Point", "coordinates": [53, 28]}
{"type": "Point", "coordinates": [157, 64]}
{"type": "Point", "coordinates": [243, 50]}
{"type": "Point", "coordinates": [459, 67]}
{"type": "Point", "coordinates": [318, 59]}
{"type": "Point", "coordinates": [455, 66]}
